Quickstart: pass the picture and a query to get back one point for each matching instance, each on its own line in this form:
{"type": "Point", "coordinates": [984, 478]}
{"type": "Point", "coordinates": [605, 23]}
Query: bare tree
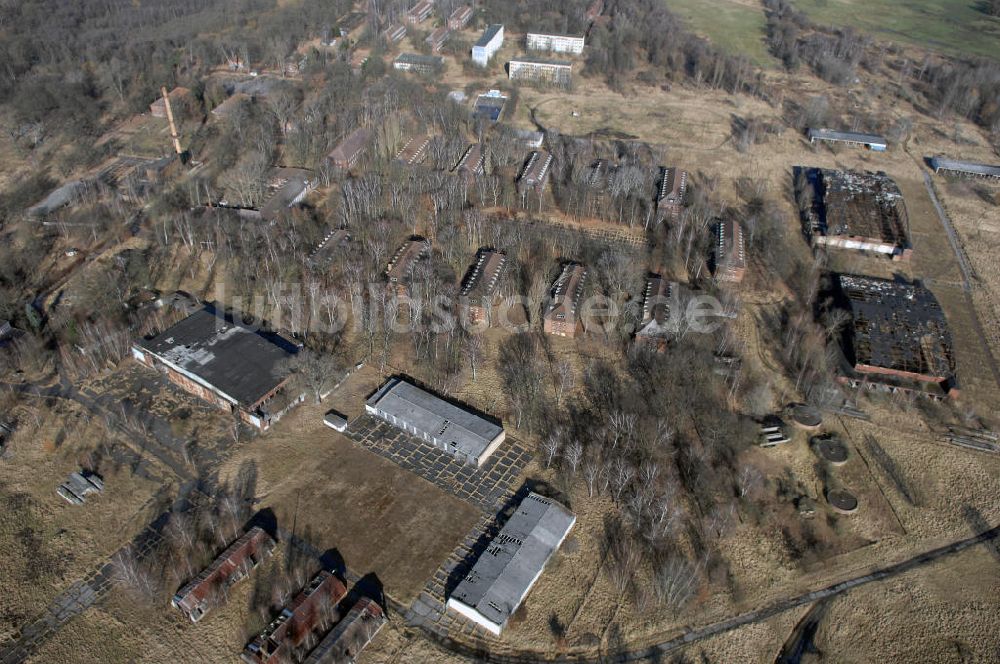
{"type": "Point", "coordinates": [676, 581]}
{"type": "Point", "coordinates": [313, 372]}
{"type": "Point", "coordinates": [181, 532]}
{"type": "Point", "coordinates": [474, 351]}
{"type": "Point", "coordinates": [621, 474]}
{"type": "Point", "coordinates": [551, 446]}
{"type": "Point", "coordinates": [573, 454]}
{"type": "Point", "coordinates": [748, 480]}
{"type": "Point", "coordinates": [623, 558]}
{"type": "Point", "coordinates": [130, 571]}
{"type": "Point", "coordinates": [564, 379]}
{"type": "Point", "coordinates": [592, 471]}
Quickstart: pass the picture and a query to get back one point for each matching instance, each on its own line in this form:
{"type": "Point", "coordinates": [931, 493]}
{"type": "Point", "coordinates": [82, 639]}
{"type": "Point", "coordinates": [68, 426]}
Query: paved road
{"type": "Point", "coordinates": [84, 594]}
{"type": "Point", "coordinates": [80, 596]}
{"type": "Point", "coordinates": [94, 404]}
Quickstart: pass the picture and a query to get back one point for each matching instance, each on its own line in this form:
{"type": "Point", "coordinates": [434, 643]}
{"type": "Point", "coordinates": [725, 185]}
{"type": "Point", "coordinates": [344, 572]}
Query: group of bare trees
{"type": "Point", "coordinates": [656, 437]}
{"type": "Point", "coordinates": [190, 539]}
{"type": "Point", "coordinates": [969, 88]}
{"type": "Point", "coordinates": [645, 32]}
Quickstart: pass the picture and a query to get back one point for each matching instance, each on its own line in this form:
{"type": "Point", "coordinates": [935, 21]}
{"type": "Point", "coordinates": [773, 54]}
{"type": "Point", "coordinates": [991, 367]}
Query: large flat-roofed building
{"type": "Point", "coordinates": [489, 106]}
{"type": "Point", "coordinates": [350, 149]}
{"type": "Point", "coordinates": [870, 141]}
{"type": "Point", "coordinates": [730, 252]}
{"type": "Point", "coordinates": [898, 334]}
{"type": "Point", "coordinates": [670, 191]}
{"type": "Point", "coordinates": [554, 72]}
{"type": "Point", "coordinates": [561, 316]}
{"type": "Point", "coordinates": [419, 63]}
{"type": "Point", "coordinates": [346, 641]}
{"type": "Point", "coordinates": [460, 17]}
{"type": "Point", "coordinates": [479, 287]}
{"type": "Point", "coordinates": [488, 44]}
{"type": "Point", "coordinates": [311, 611]}
{"type": "Point", "coordinates": [965, 168]}
{"type": "Point", "coordinates": [208, 589]}
{"type": "Point", "coordinates": [216, 357]}
{"type": "Point", "coordinates": [535, 172]}
{"type": "Point", "coordinates": [512, 562]}
{"type": "Point", "coordinates": [859, 211]}
{"type": "Point", "coordinates": [536, 41]}
{"type": "Point", "coordinates": [459, 431]}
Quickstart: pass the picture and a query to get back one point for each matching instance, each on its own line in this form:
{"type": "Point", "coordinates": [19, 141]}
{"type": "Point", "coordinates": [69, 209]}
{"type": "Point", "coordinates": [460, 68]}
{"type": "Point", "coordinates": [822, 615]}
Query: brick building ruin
{"type": "Point", "coordinates": [561, 316]}
{"type": "Point", "coordinates": [208, 589]}
{"type": "Point", "coordinates": [312, 610]}
{"type": "Point", "coordinates": [729, 254]}
{"type": "Point", "coordinates": [851, 210]}
{"type": "Point", "coordinates": [218, 358]}
{"type": "Point", "coordinates": [897, 337]}
{"type": "Point", "coordinates": [479, 287]}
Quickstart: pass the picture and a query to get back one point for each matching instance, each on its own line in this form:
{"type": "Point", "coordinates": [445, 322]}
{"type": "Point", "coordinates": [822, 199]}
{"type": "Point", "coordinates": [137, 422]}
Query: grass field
{"type": "Point", "coordinates": [953, 26]}
{"type": "Point", "coordinates": [379, 517]}
{"type": "Point", "coordinates": [735, 26]}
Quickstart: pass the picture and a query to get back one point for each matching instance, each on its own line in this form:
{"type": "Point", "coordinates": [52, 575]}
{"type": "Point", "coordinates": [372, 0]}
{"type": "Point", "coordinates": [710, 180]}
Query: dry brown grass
{"type": "Point", "coordinates": [941, 613]}
{"type": "Point", "coordinates": [46, 543]}
{"type": "Point", "coordinates": [338, 495]}
{"type": "Point", "coordinates": [385, 520]}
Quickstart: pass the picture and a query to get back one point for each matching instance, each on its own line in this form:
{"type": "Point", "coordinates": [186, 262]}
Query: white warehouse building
{"type": "Point", "coordinates": [512, 562]}
{"type": "Point", "coordinates": [555, 43]}
{"type": "Point", "coordinates": [488, 44]}
{"type": "Point", "coordinates": [461, 432]}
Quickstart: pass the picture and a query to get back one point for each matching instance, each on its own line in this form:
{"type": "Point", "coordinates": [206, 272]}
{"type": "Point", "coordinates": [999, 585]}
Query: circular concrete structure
{"type": "Point", "coordinates": [831, 448]}
{"type": "Point", "coordinates": [842, 501]}
{"type": "Point", "coordinates": [805, 416]}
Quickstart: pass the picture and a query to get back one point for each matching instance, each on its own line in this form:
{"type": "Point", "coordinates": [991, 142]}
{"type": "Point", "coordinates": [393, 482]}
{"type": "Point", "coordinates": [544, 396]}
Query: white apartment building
{"type": "Point", "coordinates": [488, 44]}
{"type": "Point", "coordinates": [554, 43]}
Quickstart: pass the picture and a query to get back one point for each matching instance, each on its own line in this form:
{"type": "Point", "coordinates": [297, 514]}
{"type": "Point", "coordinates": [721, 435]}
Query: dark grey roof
{"type": "Point", "coordinates": [488, 34]}
{"type": "Point", "coordinates": [850, 136]}
{"type": "Point", "coordinates": [287, 185]}
{"type": "Point", "coordinates": [458, 428]}
{"type": "Point", "coordinates": [964, 166]}
{"type": "Point", "coordinates": [76, 487]}
{"type": "Point", "coordinates": [554, 35]}
{"type": "Point", "coordinates": [419, 60]}
{"type": "Point", "coordinates": [63, 195]}
{"type": "Point", "coordinates": [897, 325]}
{"type": "Point", "coordinates": [514, 559]}
{"type": "Point", "coordinates": [238, 360]}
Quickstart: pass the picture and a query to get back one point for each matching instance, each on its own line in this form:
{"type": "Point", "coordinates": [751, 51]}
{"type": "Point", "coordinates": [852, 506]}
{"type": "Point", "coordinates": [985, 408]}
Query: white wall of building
{"type": "Point", "coordinates": [555, 43]}
{"type": "Point", "coordinates": [481, 54]}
